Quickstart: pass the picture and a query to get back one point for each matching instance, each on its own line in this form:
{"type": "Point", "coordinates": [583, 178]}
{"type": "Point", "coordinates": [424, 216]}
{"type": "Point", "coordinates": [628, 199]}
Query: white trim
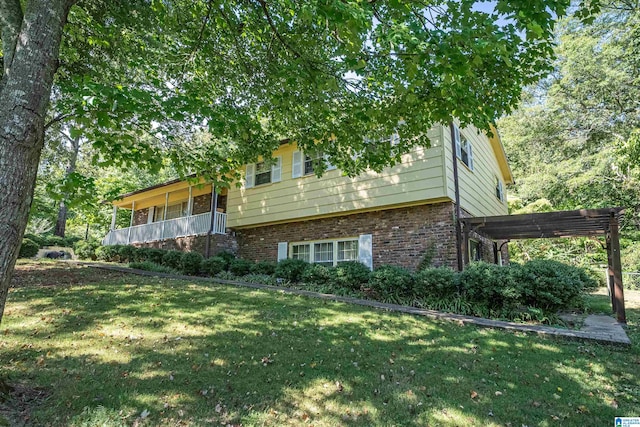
{"type": "Point", "coordinates": [365, 250]}
{"type": "Point", "coordinates": [282, 251]}
{"type": "Point", "coordinates": [334, 242]}
{"type": "Point", "coordinates": [297, 163]}
{"type": "Point", "coordinates": [190, 202]}
{"type": "Point", "coordinates": [133, 211]}
{"type": "Point", "coordinates": [276, 170]}
{"type": "Point", "coordinates": [249, 176]}
{"type": "Point", "coordinates": [113, 218]}
{"type": "Point", "coordinates": [152, 211]}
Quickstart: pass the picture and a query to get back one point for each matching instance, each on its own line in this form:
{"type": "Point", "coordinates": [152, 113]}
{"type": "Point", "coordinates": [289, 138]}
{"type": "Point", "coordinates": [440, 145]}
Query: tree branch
{"type": "Point", "coordinates": [56, 119]}
{"type": "Point", "coordinates": [286, 45]}
{"type": "Point", "coordinates": [10, 23]}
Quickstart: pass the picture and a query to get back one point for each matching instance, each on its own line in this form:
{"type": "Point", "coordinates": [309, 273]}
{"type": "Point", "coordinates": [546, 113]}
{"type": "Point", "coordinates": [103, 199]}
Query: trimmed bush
{"type": "Point", "coordinates": [491, 286]}
{"type": "Point", "coordinates": [212, 266]}
{"type": "Point", "coordinates": [152, 266]}
{"type": "Point", "coordinates": [350, 274]}
{"type": "Point", "coordinates": [54, 241]}
{"type": "Point", "coordinates": [38, 239]}
{"type": "Point", "coordinates": [317, 274]}
{"type": "Point", "coordinates": [391, 283]}
{"type": "Point", "coordinates": [127, 253]}
{"type": "Point", "coordinates": [552, 285]}
{"type": "Point", "coordinates": [190, 263]}
{"type": "Point", "coordinates": [28, 249]}
{"type": "Point", "coordinates": [86, 249]}
{"type": "Point", "coordinates": [291, 269]}
{"type": "Point", "coordinates": [435, 284]}
{"type": "Point", "coordinates": [172, 259]}
{"type": "Point", "coordinates": [227, 256]}
{"type": "Point", "coordinates": [240, 267]}
{"type": "Point", "coordinates": [108, 253]}
{"type": "Point", "coordinates": [264, 267]}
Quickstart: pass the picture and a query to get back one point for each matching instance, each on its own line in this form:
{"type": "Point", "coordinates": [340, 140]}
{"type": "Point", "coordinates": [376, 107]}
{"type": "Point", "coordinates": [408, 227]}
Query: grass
{"type": "Point", "coordinates": [110, 349]}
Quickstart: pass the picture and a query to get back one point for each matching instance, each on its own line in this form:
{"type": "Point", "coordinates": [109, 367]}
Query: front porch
{"type": "Point", "coordinates": [169, 211]}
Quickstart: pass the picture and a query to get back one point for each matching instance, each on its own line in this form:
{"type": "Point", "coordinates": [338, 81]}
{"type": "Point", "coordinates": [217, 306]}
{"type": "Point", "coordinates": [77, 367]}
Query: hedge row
{"type": "Point", "coordinates": [535, 290]}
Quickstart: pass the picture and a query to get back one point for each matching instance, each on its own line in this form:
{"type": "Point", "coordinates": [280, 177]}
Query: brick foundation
{"type": "Point", "coordinates": [219, 242]}
{"type": "Point", "coordinates": [402, 236]}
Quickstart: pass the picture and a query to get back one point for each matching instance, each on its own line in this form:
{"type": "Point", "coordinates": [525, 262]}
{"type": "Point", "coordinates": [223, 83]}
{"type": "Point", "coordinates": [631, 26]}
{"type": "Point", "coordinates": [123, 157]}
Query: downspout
{"type": "Point", "coordinates": [456, 190]}
{"type": "Point", "coordinates": [214, 208]}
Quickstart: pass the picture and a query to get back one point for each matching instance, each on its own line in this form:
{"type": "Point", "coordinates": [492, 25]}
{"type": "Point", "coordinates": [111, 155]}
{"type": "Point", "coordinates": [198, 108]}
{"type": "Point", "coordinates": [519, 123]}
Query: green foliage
{"type": "Point", "coordinates": [86, 249]}
{"type": "Point", "coordinates": [154, 255]}
{"type": "Point", "coordinates": [172, 259]}
{"type": "Point", "coordinates": [264, 267]}
{"type": "Point", "coordinates": [36, 238]}
{"type": "Point", "coordinates": [212, 266]}
{"type": "Point", "coordinates": [631, 257]}
{"type": "Point", "coordinates": [227, 256]}
{"type": "Point", "coordinates": [152, 266]}
{"type": "Point", "coordinates": [108, 253]}
{"type": "Point", "coordinates": [49, 240]}
{"type": "Point", "coordinates": [350, 274]}
{"type": "Point", "coordinates": [190, 263]}
{"type": "Point", "coordinates": [127, 253]}
{"type": "Point", "coordinates": [291, 269]}
{"type": "Point", "coordinates": [240, 267]}
{"type": "Point", "coordinates": [436, 283]}
{"type": "Point", "coordinates": [552, 286]}
{"type": "Point", "coordinates": [262, 279]}
{"type": "Point", "coordinates": [391, 283]}
{"type": "Point", "coordinates": [494, 287]}
{"type": "Point", "coordinates": [317, 274]}
{"type": "Point", "coordinates": [28, 249]}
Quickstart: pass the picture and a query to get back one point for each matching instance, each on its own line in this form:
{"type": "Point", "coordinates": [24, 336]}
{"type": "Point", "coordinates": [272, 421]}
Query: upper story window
{"type": "Point", "coordinates": [464, 149]}
{"type": "Point", "coordinates": [499, 190]}
{"type": "Point", "coordinates": [304, 164]}
{"type": "Point", "coordinates": [263, 172]}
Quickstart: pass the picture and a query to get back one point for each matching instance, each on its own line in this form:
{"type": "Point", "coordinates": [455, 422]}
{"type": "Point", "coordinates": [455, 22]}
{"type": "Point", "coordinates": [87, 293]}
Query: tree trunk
{"type": "Point", "coordinates": [61, 222]}
{"type": "Point", "coordinates": [24, 97]}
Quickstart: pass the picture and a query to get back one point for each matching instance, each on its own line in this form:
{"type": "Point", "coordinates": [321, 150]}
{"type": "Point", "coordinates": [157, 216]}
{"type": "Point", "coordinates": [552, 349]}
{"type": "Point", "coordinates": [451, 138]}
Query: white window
{"type": "Point", "coordinates": [499, 190]}
{"type": "Point", "coordinates": [304, 164]}
{"type": "Point", "coordinates": [263, 173]}
{"type": "Point", "coordinates": [328, 252]}
{"type": "Point", "coordinates": [175, 210]}
{"type": "Point", "coordinates": [301, 251]}
{"type": "Point", "coordinates": [347, 251]}
{"type": "Point", "coordinates": [464, 149]}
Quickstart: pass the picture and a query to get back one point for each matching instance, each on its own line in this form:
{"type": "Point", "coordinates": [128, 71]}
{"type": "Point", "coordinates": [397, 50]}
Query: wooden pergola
{"type": "Point", "coordinates": [583, 222]}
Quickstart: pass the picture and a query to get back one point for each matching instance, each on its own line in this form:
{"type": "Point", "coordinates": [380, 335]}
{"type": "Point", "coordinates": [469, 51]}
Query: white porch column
{"type": "Point", "coordinates": [113, 218]}
{"type": "Point", "coordinates": [164, 214]}
{"type": "Point", "coordinates": [190, 202]}
{"type": "Point", "coordinates": [133, 211]}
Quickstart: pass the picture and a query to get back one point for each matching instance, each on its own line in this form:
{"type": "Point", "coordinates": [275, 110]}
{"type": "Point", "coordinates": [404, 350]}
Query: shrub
{"type": "Point", "coordinates": [108, 253]}
{"type": "Point", "coordinates": [212, 266]}
{"type": "Point", "coordinates": [227, 256]}
{"type": "Point", "coordinates": [317, 274]}
{"type": "Point", "coordinates": [240, 267]}
{"type": "Point", "coordinates": [291, 269]}
{"type": "Point", "coordinates": [552, 285]}
{"type": "Point", "coordinates": [350, 274]}
{"type": "Point", "coordinates": [391, 283]}
{"type": "Point", "coordinates": [86, 249]}
{"type": "Point", "coordinates": [190, 263]}
{"type": "Point", "coordinates": [152, 266]}
{"type": "Point", "coordinates": [226, 275]}
{"type": "Point", "coordinates": [28, 249]}
{"type": "Point", "coordinates": [38, 239]}
{"type": "Point", "coordinates": [494, 287]}
{"type": "Point", "coordinates": [172, 259]}
{"type": "Point", "coordinates": [152, 254]}
{"type": "Point", "coordinates": [127, 253]}
{"type": "Point", "coordinates": [54, 241]}
{"type": "Point", "coordinates": [264, 267]}
{"type": "Point", "coordinates": [435, 284]}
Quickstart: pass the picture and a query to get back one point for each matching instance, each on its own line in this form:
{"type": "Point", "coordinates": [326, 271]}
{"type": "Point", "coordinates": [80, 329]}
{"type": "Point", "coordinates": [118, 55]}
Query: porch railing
{"type": "Point", "coordinates": [179, 227]}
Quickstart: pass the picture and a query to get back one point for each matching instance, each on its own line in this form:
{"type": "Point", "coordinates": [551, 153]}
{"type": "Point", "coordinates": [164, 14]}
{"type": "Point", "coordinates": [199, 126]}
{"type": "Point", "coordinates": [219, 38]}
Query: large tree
{"type": "Point", "coordinates": [324, 73]}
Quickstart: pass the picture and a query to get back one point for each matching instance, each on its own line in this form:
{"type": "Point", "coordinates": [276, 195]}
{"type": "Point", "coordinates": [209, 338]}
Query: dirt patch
{"type": "Point", "coordinates": [17, 401]}
{"type": "Point", "coordinates": [60, 273]}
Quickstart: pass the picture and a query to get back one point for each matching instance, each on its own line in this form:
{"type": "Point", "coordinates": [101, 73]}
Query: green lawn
{"type": "Point", "coordinates": [85, 347]}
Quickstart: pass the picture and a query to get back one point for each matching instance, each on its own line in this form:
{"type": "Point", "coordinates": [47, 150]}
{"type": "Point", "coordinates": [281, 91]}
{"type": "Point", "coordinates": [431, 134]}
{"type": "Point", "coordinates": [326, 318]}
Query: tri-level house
{"type": "Point", "coordinates": [404, 215]}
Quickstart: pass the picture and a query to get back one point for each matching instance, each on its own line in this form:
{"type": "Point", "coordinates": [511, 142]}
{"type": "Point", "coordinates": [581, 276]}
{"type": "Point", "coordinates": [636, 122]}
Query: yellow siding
{"type": "Point", "coordinates": [417, 179]}
{"type": "Point", "coordinates": [477, 187]}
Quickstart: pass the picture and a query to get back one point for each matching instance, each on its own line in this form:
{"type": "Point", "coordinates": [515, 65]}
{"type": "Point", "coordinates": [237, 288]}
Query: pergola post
{"type": "Point", "coordinates": [610, 281]}
{"type": "Point", "coordinates": [617, 270]}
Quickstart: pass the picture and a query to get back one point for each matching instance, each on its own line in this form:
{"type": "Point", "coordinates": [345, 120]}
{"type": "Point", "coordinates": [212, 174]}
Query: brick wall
{"type": "Point", "coordinates": [401, 236]}
{"type": "Point", "coordinates": [219, 242]}
{"type": "Point", "coordinates": [141, 216]}
{"type": "Point", "coordinates": [202, 204]}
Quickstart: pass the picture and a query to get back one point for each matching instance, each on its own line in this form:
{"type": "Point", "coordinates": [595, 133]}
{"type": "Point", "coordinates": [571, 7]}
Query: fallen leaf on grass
{"type": "Point", "coordinates": [473, 394]}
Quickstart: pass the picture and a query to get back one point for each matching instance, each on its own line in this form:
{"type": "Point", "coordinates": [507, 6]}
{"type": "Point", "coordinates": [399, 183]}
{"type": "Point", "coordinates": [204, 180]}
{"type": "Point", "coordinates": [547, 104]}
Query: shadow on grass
{"type": "Point", "coordinates": [199, 354]}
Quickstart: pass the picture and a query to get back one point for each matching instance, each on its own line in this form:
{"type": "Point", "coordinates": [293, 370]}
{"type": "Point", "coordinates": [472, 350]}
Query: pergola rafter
{"type": "Point", "coordinates": [576, 223]}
